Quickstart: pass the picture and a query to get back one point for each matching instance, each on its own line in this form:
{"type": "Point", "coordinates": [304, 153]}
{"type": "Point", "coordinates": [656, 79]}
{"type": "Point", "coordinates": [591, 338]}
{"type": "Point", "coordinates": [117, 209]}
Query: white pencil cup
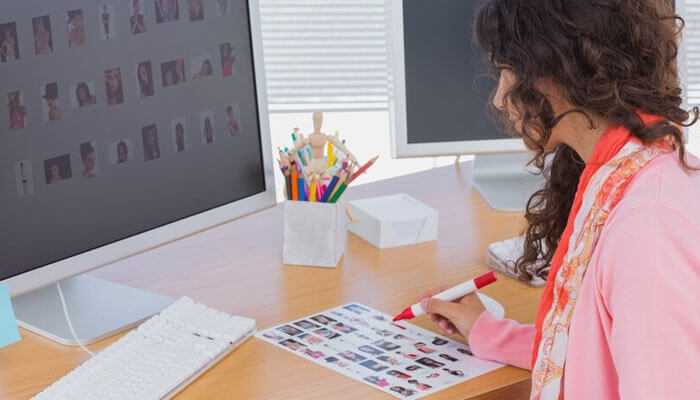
{"type": "Point", "coordinates": [314, 233]}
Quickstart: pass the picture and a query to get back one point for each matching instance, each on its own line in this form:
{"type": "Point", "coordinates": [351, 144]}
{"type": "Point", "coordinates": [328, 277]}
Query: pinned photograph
{"type": "Point", "coordinates": [173, 72]}
{"type": "Point", "coordinates": [107, 21]}
{"type": "Point", "coordinates": [201, 67]}
{"type": "Point", "coordinates": [233, 116]}
{"type": "Point", "coordinates": [144, 77]}
{"type": "Point", "coordinates": [137, 18]}
{"type": "Point", "coordinates": [43, 37]}
{"type": "Point", "coordinates": [120, 152]}
{"type": "Point", "coordinates": [207, 127]}
{"type": "Point", "coordinates": [228, 59]}
{"type": "Point", "coordinates": [178, 129]}
{"type": "Point", "coordinates": [151, 146]}
{"type": "Point", "coordinates": [196, 8]}
{"type": "Point", "coordinates": [58, 169]}
{"type": "Point", "coordinates": [9, 45]}
{"type": "Point", "coordinates": [88, 156]}
{"type": "Point", "coordinates": [50, 102]}
{"type": "Point", "coordinates": [16, 109]}
{"type": "Point", "coordinates": [75, 27]}
{"type": "Point", "coordinates": [167, 11]}
{"type": "Point", "coordinates": [83, 94]}
{"type": "Point", "coordinates": [114, 87]}
{"type": "Point", "coordinates": [24, 178]}
{"type": "Point", "coordinates": [223, 7]}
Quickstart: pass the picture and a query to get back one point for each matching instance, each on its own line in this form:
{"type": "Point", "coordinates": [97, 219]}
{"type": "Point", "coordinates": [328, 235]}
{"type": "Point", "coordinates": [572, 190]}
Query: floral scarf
{"type": "Point", "coordinates": [617, 158]}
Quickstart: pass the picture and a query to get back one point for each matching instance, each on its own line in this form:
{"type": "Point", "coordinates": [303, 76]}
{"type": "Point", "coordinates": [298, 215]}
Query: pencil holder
{"type": "Point", "coordinates": [314, 233]}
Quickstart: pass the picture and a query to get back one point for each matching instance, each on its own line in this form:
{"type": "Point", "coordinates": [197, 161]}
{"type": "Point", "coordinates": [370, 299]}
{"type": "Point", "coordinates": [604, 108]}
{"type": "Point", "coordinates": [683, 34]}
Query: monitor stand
{"type": "Point", "coordinates": [505, 181]}
{"type": "Point", "coordinates": [97, 308]}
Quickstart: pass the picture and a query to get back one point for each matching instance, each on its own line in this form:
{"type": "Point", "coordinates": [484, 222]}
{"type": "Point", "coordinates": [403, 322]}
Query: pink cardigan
{"type": "Point", "coordinates": [635, 332]}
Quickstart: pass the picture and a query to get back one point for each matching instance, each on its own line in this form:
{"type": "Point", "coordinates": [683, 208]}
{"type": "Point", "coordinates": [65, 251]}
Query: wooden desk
{"type": "Point", "coordinates": [237, 268]}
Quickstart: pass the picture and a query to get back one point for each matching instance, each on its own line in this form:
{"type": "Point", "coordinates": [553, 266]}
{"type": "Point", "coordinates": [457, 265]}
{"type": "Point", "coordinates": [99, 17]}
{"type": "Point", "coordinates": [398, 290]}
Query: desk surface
{"type": "Point", "coordinates": [237, 268]}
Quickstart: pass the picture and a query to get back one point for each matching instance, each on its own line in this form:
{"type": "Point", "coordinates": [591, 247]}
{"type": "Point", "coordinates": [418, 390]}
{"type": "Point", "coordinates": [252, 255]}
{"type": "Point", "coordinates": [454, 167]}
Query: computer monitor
{"type": "Point", "coordinates": [123, 126]}
{"type": "Point", "coordinates": [439, 105]}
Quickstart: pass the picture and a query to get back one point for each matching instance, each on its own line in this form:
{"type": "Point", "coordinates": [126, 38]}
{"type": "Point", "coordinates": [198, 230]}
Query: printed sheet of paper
{"type": "Point", "coordinates": [401, 359]}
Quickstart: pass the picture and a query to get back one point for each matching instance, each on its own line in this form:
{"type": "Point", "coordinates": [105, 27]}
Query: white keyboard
{"type": "Point", "coordinates": [158, 359]}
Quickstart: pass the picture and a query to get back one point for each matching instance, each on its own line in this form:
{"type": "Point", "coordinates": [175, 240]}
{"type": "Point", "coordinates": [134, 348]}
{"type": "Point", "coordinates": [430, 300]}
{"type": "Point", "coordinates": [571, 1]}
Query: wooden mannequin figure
{"type": "Point", "coordinates": [318, 140]}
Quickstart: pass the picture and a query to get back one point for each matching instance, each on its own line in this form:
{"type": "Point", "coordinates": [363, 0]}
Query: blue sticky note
{"type": "Point", "coordinates": [9, 333]}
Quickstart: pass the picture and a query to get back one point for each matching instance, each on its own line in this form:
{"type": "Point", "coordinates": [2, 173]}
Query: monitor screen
{"type": "Point", "coordinates": [118, 117]}
{"type": "Point", "coordinates": [447, 80]}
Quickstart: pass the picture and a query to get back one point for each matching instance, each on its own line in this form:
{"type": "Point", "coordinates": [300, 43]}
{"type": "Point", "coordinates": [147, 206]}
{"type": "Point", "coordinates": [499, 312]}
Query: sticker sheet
{"type": "Point", "coordinates": [401, 359]}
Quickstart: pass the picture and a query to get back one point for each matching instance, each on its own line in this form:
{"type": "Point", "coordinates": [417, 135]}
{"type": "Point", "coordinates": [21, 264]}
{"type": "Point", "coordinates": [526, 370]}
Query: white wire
{"type": "Point", "coordinates": [70, 323]}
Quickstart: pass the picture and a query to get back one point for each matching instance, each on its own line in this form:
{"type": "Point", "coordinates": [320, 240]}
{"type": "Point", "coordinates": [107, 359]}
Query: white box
{"type": "Point", "coordinates": [314, 233]}
{"type": "Point", "coordinates": [392, 221]}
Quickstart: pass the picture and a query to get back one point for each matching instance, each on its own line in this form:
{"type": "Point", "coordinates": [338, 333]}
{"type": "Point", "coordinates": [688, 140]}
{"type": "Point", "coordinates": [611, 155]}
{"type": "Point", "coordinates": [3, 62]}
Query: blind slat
{"type": "Point", "coordinates": [326, 54]}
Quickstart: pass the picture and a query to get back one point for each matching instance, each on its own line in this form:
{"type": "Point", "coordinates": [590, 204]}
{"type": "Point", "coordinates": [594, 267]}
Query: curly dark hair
{"type": "Point", "coordinates": [610, 58]}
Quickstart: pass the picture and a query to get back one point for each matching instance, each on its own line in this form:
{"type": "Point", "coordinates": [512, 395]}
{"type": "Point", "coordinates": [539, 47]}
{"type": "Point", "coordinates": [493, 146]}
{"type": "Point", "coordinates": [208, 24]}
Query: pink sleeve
{"type": "Point", "coordinates": [650, 284]}
{"type": "Point", "coordinates": [502, 340]}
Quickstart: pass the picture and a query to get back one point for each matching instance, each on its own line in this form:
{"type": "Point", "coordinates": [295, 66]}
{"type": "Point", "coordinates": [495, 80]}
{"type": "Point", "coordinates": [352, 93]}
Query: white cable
{"type": "Point", "coordinates": [70, 323]}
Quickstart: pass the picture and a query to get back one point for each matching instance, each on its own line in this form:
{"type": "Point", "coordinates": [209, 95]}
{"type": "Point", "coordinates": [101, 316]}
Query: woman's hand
{"type": "Point", "coordinates": [455, 317]}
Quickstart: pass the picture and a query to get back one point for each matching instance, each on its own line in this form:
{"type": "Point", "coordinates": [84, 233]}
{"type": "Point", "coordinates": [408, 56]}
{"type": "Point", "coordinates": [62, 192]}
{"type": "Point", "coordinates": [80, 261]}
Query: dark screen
{"type": "Point", "coordinates": [118, 118]}
{"type": "Point", "coordinates": [447, 81]}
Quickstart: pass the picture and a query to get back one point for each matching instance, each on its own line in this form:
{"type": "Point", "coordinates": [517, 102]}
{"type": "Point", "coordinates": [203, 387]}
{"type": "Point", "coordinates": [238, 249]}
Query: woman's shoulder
{"type": "Point", "coordinates": [654, 229]}
{"type": "Point", "coordinates": [664, 182]}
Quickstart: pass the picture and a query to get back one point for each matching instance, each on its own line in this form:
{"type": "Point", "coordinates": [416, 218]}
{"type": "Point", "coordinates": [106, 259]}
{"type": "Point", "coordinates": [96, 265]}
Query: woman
{"type": "Point", "coordinates": [43, 42]}
{"type": "Point", "coordinates": [76, 28]}
{"type": "Point", "coordinates": [208, 132]}
{"type": "Point", "coordinates": [113, 87]}
{"type": "Point", "coordinates": [227, 59]}
{"type": "Point", "coordinates": [137, 20]}
{"type": "Point", "coordinates": [9, 48]}
{"type": "Point", "coordinates": [53, 112]}
{"type": "Point", "coordinates": [594, 84]}
{"type": "Point", "coordinates": [205, 70]}
{"type": "Point", "coordinates": [231, 122]}
{"type": "Point", "coordinates": [83, 95]}
{"type": "Point", "coordinates": [145, 77]}
{"type": "Point", "coordinates": [196, 10]}
{"type": "Point", "coordinates": [18, 112]}
{"type": "Point", "coordinates": [122, 152]}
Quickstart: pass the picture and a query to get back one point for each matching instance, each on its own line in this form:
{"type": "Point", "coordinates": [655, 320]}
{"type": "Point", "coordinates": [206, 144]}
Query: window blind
{"type": "Point", "coordinates": [326, 55]}
{"type": "Point", "coordinates": [690, 52]}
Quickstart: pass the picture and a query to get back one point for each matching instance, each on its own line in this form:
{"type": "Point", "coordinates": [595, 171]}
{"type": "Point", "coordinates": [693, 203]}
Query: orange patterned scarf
{"type": "Point", "coordinates": [617, 158]}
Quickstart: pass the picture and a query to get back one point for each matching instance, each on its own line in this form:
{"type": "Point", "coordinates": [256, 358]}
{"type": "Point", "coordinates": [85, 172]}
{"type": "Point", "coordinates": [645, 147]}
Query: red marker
{"type": "Point", "coordinates": [451, 294]}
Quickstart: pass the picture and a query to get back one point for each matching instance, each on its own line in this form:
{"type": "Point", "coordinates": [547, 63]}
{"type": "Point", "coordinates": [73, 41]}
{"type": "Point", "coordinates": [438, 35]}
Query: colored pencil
{"type": "Point", "coordinates": [329, 190]}
{"type": "Point", "coordinates": [295, 182]}
{"type": "Point", "coordinates": [312, 190]}
{"type": "Point", "coordinates": [363, 169]}
{"type": "Point", "coordinates": [302, 190]}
